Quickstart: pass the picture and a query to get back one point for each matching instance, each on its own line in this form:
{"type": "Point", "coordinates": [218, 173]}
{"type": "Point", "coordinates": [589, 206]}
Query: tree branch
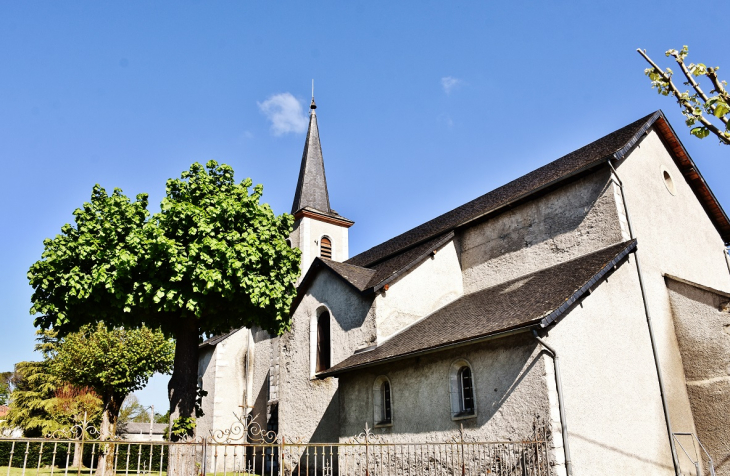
{"type": "Point", "coordinates": [696, 86]}
{"type": "Point", "coordinates": [683, 102]}
{"type": "Point", "coordinates": [712, 74]}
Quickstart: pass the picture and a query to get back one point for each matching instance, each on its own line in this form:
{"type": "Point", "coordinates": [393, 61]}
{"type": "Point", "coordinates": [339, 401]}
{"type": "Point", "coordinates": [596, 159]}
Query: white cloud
{"type": "Point", "coordinates": [449, 83]}
{"type": "Point", "coordinates": [285, 113]}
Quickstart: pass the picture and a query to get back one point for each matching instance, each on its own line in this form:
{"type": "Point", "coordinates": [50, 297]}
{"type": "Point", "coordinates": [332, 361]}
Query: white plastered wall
{"type": "Point", "coordinates": [433, 283]}
{"type": "Point", "coordinates": [307, 234]}
{"type": "Point", "coordinates": [614, 412]}
{"type": "Point", "coordinates": [675, 236]}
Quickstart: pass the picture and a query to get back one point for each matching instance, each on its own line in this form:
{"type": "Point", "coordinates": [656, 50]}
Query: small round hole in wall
{"type": "Point", "coordinates": [668, 181]}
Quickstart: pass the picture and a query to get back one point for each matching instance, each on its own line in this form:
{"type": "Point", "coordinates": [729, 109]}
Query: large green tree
{"type": "Point", "coordinates": [114, 363]}
{"type": "Point", "coordinates": [700, 108]}
{"type": "Point", "coordinates": [214, 258]}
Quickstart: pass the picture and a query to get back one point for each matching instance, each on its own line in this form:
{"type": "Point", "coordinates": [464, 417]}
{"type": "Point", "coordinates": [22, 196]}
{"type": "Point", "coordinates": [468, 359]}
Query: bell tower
{"type": "Point", "coordinates": [319, 231]}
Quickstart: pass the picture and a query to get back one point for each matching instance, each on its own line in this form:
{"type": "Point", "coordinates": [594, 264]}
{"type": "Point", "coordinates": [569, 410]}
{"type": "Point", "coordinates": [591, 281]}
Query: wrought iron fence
{"type": "Point", "coordinates": [245, 449]}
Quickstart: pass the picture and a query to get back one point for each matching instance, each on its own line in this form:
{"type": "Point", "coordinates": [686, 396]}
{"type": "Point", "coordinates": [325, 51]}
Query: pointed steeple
{"type": "Point", "coordinates": [312, 185]}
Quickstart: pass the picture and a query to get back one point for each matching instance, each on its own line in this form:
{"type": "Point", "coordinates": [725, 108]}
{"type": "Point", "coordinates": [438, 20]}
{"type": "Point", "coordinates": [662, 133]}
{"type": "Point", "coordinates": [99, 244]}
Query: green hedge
{"type": "Point", "coordinates": [62, 451]}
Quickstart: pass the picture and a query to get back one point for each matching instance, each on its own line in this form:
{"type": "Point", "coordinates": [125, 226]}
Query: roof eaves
{"type": "Point", "coordinates": [553, 316]}
{"type": "Point", "coordinates": [317, 264]}
{"type": "Point", "coordinates": [430, 350]}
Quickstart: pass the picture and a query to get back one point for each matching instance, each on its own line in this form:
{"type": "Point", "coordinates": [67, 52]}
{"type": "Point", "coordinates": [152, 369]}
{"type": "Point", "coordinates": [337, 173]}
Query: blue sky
{"type": "Point", "coordinates": [422, 105]}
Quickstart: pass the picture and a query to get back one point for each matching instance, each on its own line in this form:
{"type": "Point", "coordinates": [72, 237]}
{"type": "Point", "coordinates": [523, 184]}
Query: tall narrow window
{"type": "Point", "coordinates": [463, 403]}
{"type": "Point", "coordinates": [466, 392]}
{"type": "Point", "coordinates": [382, 402]}
{"type": "Point", "coordinates": [323, 342]}
{"type": "Point", "coordinates": [325, 248]}
{"type": "Point", "coordinates": [386, 415]}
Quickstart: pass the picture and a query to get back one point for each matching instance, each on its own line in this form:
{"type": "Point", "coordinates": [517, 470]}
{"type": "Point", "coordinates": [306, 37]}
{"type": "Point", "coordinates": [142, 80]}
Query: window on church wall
{"type": "Point", "coordinates": [325, 248]}
{"type": "Point", "coordinates": [382, 402]}
{"type": "Point", "coordinates": [323, 342]}
{"type": "Point", "coordinates": [463, 403]}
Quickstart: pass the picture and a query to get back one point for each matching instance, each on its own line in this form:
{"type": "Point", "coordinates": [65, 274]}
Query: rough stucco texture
{"type": "Point", "coordinates": [510, 393]}
{"type": "Point", "coordinates": [567, 223]}
{"type": "Point", "coordinates": [702, 325]}
{"type": "Point", "coordinates": [309, 407]}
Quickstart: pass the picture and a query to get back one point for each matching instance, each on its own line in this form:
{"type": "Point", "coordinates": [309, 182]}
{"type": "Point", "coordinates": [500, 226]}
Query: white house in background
{"type": "Point", "coordinates": [613, 256]}
{"type": "Point", "coordinates": [144, 431]}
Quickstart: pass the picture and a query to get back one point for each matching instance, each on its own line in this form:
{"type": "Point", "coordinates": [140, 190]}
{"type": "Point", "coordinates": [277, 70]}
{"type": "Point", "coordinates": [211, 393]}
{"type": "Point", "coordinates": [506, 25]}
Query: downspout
{"type": "Point", "coordinates": [662, 392]}
{"type": "Point", "coordinates": [561, 406]}
{"type": "Point", "coordinates": [726, 253]}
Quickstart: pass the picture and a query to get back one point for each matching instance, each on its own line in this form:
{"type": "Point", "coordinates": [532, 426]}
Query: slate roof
{"type": "Point", "coordinates": [614, 145]}
{"type": "Point", "coordinates": [536, 299]}
{"type": "Point", "coordinates": [312, 184]}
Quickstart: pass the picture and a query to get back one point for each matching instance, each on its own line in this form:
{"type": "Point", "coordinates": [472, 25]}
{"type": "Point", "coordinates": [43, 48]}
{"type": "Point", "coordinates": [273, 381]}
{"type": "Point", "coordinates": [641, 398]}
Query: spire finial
{"type": "Point", "coordinates": [313, 106]}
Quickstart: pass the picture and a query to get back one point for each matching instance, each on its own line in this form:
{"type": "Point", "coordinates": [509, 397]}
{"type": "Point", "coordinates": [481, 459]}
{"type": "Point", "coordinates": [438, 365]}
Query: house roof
{"type": "Point", "coordinates": [215, 340]}
{"type": "Point", "coordinates": [312, 184]}
{"type": "Point", "coordinates": [536, 299]}
{"type": "Point", "coordinates": [133, 428]}
{"type": "Point", "coordinates": [614, 145]}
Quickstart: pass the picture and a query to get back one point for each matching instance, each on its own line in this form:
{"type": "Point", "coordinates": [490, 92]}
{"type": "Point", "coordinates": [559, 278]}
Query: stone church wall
{"type": "Point", "coordinates": [309, 407]}
{"type": "Point", "coordinates": [572, 221]}
{"type": "Point", "coordinates": [510, 390]}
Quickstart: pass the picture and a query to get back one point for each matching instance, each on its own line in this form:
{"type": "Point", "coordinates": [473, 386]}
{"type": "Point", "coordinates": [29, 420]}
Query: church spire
{"type": "Point", "coordinates": [312, 185]}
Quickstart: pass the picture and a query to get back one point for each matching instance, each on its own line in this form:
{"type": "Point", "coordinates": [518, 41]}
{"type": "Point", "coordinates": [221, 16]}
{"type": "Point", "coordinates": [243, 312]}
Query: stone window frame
{"type": "Point", "coordinates": [378, 397]}
{"type": "Point", "coordinates": [314, 339]}
{"type": "Point", "coordinates": [332, 246]}
{"type": "Point", "coordinates": [456, 392]}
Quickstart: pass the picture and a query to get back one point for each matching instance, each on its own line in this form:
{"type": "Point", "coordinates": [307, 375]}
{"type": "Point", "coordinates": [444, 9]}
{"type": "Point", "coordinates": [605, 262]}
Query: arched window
{"type": "Point", "coordinates": [463, 404]}
{"type": "Point", "coordinates": [382, 402]}
{"type": "Point", "coordinates": [325, 248]}
{"type": "Point", "coordinates": [323, 342]}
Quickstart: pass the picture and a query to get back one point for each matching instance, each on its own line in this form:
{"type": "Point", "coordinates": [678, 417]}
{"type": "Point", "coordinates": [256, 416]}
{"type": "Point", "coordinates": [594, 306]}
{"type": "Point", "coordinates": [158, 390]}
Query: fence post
{"type": "Point", "coordinates": [367, 452]}
{"type": "Point", "coordinates": [281, 456]}
{"type": "Point", "coordinates": [205, 456]}
{"type": "Point", "coordinates": [461, 438]}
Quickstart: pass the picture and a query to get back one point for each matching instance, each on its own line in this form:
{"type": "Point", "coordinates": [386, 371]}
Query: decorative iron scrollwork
{"type": "Point", "coordinates": [245, 429]}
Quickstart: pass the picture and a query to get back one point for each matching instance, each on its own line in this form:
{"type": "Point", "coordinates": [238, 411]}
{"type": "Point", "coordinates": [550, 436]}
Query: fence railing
{"type": "Point", "coordinates": [54, 458]}
{"type": "Point", "coordinates": [245, 450]}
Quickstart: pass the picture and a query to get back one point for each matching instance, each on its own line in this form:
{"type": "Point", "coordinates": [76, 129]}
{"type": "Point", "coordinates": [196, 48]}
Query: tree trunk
{"type": "Point", "coordinates": [183, 385]}
{"type": "Point", "coordinates": [77, 456]}
{"type": "Point", "coordinates": [108, 430]}
{"type": "Point", "coordinates": [182, 391]}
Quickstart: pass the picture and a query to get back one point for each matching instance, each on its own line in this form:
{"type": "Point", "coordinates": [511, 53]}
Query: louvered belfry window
{"type": "Point", "coordinates": [325, 248]}
{"type": "Point", "coordinates": [323, 342]}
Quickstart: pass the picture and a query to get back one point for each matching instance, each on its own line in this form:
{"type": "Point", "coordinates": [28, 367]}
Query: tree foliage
{"type": "Point", "coordinates": [41, 402]}
{"type": "Point", "coordinates": [695, 104]}
{"type": "Point", "coordinates": [113, 362]}
{"type": "Point", "coordinates": [213, 259]}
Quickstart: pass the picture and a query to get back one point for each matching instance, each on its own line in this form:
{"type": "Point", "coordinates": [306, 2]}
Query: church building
{"type": "Point", "coordinates": [589, 299]}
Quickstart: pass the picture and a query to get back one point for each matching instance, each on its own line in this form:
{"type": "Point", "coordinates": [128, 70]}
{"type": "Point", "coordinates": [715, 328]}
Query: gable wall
{"type": "Point", "coordinates": [308, 407]}
{"type": "Point", "coordinates": [615, 420]}
{"type": "Point", "coordinates": [675, 236]}
{"type": "Point", "coordinates": [432, 284]}
{"type": "Point", "coordinates": [221, 369]}
{"type": "Point", "coordinates": [576, 219]}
